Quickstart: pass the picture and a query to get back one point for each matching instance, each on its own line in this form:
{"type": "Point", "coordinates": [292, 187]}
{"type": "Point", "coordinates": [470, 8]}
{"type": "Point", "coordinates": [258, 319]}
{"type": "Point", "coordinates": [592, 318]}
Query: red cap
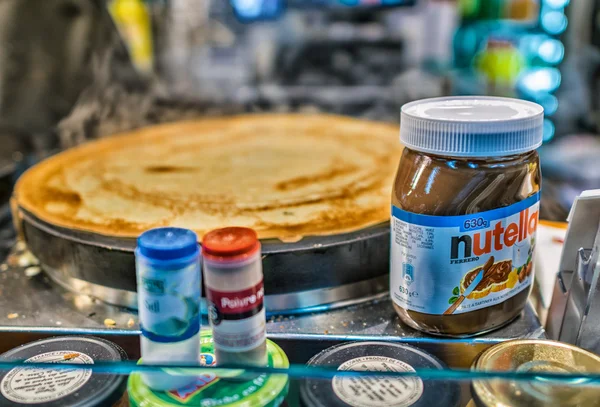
{"type": "Point", "coordinates": [230, 244]}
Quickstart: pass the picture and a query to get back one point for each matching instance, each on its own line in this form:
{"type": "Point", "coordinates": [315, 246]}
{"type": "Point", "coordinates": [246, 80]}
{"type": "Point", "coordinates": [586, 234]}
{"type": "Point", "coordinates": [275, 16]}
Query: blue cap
{"type": "Point", "coordinates": [168, 243]}
{"type": "Point", "coordinates": [472, 126]}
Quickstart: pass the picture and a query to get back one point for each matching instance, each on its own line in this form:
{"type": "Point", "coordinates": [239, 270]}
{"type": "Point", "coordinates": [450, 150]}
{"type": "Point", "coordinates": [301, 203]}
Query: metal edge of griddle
{"type": "Point", "coordinates": [269, 246]}
{"type": "Point", "coordinates": [309, 301]}
{"type": "Point", "coordinates": [315, 273]}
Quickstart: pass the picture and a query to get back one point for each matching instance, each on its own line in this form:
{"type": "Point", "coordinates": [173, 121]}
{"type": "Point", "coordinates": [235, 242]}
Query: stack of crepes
{"type": "Point", "coordinates": [286, 176]}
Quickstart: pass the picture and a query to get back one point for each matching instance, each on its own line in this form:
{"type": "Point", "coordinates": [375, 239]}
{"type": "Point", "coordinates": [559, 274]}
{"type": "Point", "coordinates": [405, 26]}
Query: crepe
{"type": "Point", "coordinates": [286, 176]}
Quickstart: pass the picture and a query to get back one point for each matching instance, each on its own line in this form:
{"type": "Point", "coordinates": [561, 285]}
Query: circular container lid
{"type": "Point", "coordinates": [164, 244]}
{"type": "Point", "coordinates": [536, 355]}
{"type": "Point", "coordinates": [262, 391]}
{"type": "Point", "coordinates": [472, 126]}
{"type": "Point", "coordinates": [373, 392]}
{"type": "Point", "coordinates": [230, 244]}
{"type": "Point", "coordinates": [62, 387]}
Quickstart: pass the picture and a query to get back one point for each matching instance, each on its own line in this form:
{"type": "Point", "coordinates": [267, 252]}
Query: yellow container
{"type": "Point", "coordinates": [133, 21]}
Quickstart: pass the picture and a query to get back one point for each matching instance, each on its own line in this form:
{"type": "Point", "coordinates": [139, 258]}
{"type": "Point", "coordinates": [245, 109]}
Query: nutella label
{"type": "Point", "coordinates": [454, 264]}
{"type": "Point", "coordinates": [237, 318]}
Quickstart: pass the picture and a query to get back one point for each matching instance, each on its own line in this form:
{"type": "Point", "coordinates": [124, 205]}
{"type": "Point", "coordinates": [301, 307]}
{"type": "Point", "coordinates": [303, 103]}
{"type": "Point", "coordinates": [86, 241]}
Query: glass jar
{"type": "Point", "coordinates": [464, 213]}
{"type": "Point", "coordinates": [536, 356]}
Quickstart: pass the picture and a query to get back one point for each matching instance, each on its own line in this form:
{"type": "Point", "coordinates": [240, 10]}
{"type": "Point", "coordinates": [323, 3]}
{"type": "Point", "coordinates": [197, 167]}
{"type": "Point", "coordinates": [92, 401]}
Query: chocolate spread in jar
{"type": "Point", "coordinates": [457, 219]}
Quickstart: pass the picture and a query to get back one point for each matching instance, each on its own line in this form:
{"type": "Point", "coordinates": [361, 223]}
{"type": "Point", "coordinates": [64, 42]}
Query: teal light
{"type": "Point", "coordinates": [531, 43]}
{"type": "Point", "coordinates": [549, 130]}
{"type": "Point", "coordinates": [554, 21]}
{"type": "Point", "coordinates": [548, 102]}
{"type": "Point", "coordinates": [556, 3]}
{"type": "Point", "coordinates": [551, 51]}
{"type": "Point", "coordinates": [539, 80]}
{"type": "Point", "coordinates": [248, 8]}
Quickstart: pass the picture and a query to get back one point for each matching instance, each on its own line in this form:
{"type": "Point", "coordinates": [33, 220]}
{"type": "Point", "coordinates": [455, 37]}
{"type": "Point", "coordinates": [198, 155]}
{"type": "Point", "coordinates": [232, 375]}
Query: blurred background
{"type": "Point", "coordinates": [73, 70]}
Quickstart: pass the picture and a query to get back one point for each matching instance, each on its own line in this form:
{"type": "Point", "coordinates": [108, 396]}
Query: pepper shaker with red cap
{"type": "Point", "coordinates": [234, 290]}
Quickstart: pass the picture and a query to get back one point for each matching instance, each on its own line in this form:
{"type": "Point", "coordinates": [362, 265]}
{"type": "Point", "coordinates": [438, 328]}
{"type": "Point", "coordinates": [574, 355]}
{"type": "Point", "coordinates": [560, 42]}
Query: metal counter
{"type": "Point", "coordinates": [32, 306]}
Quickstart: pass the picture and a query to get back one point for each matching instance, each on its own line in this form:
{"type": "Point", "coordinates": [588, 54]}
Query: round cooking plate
{"type": "Point", "coordinates": [317, 272]}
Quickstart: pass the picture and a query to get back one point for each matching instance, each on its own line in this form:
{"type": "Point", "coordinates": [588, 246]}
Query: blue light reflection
{"type": "Point", "coordinates": [549, 130]}
{"type": "Point", "coordinates": [540, 80]}
{"type": "Point", "coordinates": [556, 4]}
{"type": "Point", "coordinates": [551, 51]}
{"type": "Point", "coordinates": [553, 21]}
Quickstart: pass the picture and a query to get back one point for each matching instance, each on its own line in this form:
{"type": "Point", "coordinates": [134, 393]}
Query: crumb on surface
{"type": "Point", "coordinates": [130, 323]}
{"type": "Point", "coordinates": [26, 259]}
{"type": "Point", "coordinates": [12, 315]}
{"type": "Point", "coordinates": [109, 322]}
{"type": "Point", "coordinates": [12, 260]}
{"type": "Point", "coordinates": [32, 271]}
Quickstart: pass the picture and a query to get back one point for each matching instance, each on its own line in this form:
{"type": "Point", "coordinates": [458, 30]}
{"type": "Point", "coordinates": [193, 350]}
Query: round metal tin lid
{"type": "Point", "coordinates": [536, 356]}
{"type": "Point", "coordinates": [344, 391]}
{"type": "Point", "coordinates": [62, 387]}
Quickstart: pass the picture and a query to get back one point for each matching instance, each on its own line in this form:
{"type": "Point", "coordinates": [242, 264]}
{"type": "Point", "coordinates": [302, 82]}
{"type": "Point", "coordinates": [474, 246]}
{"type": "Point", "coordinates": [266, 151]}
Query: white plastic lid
{"type": "Point", "coordinates": [472, 126]}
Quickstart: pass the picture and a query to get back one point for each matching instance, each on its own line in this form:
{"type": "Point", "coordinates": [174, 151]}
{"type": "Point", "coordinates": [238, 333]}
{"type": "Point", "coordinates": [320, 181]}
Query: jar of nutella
{"type": "Point", "coordinates": [465, 213]}
{"type": "Point", "coordinates": [233, 281]}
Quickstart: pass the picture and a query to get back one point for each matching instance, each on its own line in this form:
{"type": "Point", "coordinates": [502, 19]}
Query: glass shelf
{"type": "Point", "coordinates": [356, 376]}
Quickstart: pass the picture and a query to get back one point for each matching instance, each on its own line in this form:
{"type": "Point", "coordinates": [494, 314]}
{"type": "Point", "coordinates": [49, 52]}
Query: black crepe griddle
{"type": "Point", "coordinates": [318, 272]}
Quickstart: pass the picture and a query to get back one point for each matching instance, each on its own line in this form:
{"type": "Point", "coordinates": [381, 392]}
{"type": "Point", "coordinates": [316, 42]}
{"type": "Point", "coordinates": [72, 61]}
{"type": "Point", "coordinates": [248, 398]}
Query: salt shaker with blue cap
{"type": "Point", "coordinates": [169, 285]}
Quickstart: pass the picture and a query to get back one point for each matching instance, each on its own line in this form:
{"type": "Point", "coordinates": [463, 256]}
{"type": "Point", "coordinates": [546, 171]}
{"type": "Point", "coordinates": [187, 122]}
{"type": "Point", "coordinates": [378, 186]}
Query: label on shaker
{"type": "Point", "coordinates": [169, 302]}
{"type": "Point", "coordinates": [237, 318]}
{"type": "Point", "coordinates": [479, 260]}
